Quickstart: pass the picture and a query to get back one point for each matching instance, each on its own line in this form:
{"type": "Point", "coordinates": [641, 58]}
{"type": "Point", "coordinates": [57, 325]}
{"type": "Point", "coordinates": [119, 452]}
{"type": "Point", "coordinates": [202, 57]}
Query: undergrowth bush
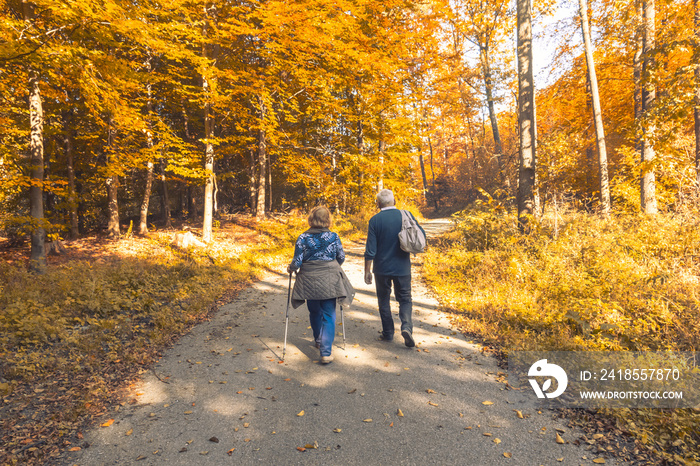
{"type": "Point", "coordinates": [628, 283]}
{"type": "Point", "coordinates": [86, 326]}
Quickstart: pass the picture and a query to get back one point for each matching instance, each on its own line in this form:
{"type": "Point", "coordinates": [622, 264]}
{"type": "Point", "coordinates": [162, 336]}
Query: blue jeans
{"type": "Point", "coordinates": [322, 318]}
{"type": "Point", "coordinates": [402, 292]}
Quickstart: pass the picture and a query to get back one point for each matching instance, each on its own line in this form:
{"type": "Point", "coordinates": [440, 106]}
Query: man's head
{"type": "Point", "coordinates": [385, 198]}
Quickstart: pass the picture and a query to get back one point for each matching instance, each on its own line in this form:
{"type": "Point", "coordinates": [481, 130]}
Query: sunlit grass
{"type": "Point", "coordinates": [628, 283]}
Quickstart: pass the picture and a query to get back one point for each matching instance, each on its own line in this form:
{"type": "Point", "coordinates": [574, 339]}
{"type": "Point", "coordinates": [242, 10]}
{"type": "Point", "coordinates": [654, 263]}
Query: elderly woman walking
{"type": "Point", "coordinates": [320, 281]}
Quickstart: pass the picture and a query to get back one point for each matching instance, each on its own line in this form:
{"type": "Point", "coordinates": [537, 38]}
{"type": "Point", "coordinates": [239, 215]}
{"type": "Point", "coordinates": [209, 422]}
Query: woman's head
{"type": "Point", "coordinates": [320, 217]}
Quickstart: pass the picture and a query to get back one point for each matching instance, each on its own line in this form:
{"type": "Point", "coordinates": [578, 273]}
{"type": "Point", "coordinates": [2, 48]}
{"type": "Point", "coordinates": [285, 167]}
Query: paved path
{"type": "Point", "coordinates": [221, 395]}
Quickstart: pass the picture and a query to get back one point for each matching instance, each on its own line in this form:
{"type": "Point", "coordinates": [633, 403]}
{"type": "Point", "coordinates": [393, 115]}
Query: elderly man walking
{"type": "Point", "coordinates": [391, 265]}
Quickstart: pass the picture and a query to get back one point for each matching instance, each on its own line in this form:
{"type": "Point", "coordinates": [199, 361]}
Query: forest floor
{"type": "Point", "coordinates": [222, 394]}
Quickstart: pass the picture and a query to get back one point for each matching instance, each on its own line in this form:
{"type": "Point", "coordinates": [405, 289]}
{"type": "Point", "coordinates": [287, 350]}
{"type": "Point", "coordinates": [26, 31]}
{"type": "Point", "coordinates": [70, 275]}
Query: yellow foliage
{"type": "Point", "coordinates": [628, 283]}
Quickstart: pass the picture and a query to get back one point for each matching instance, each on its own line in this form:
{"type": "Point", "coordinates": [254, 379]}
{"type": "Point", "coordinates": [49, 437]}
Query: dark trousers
{"type": "Point", "coordinates": [402, 292]}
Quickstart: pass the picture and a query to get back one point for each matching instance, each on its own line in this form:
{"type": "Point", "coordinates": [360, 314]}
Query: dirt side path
{"type": "Point", "coordinates": [221, 396]}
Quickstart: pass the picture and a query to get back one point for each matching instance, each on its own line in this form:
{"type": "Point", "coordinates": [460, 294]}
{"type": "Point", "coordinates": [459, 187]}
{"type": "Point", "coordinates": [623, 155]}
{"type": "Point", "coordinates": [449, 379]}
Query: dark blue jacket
{"type": "Point", "coordinates": [383, 247]}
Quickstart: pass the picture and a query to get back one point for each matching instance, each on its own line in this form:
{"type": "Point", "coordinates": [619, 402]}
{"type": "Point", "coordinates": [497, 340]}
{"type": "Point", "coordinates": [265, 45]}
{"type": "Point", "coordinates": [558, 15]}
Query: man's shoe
{"type": "Point", "coordinates": [383, 337]}
{"type": "Point", "coordinates": [317, 344]}
{"type": "Point", "coordinates": [326, 359]}
{"type": "Point", "coordinates": [408, 338]}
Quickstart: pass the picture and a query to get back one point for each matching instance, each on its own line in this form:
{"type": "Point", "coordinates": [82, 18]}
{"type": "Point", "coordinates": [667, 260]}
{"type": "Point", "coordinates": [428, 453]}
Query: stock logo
{"type": "Point", "coordinates": [543, 369]}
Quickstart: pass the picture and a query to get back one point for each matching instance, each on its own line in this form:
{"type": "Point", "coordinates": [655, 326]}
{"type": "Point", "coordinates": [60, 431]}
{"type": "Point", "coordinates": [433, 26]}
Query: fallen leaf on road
{"type": "Point", "coordinates": [337, 431]}
{"type": "Point", "coordinates": [313, 446]}
{"type": "Point", "coordinates": [507, 454]}
{"type": "Point", "coordinates": [496, 441]}
{"type": "Point", "coordinates": [246, 425]}
{"type": "Point", "coordinates": [188, 412]}
{"type": "Point", "coordinates": [230, 452]}
{"type": "Point", "coordinates": [287, 380]}
{"type": "Point", "coordinates": [75, 449]}
{"type": "Point", "coordinates": [129, 432]}
{"type": "Point", "coordinates": [487, 403]}
{"type": "Point", "coordinates": [367, 420]}
{"type": "Point", "coordinates": [598, 436]}
{"type": "Point", "coordinates": [486, 434]}
{"type": "Point", "coordinates": [430, 391]}
{"type": "Point", "coordinates": [519, 413]}
{"type": "Point", "coordinates": [140, 458]}
{"type": "Point", "coordinates": [214, 439]}
{"type": "Point", "coordinates": [352, 391]}
{"type": "Point", "coordinates": [203, 453]}
{"type": "Point", "coordinates": [399, 413]}
{"type": "Point", "coordinates": [107, 423]}
{"type": "Point", "coordinates": [431, 403]}
{"type": "Point", "coordinates": [301, 413]}
{"type": "Point", "coordinates": [599, 461]}
{"type": "Point", "coordinates": [301, 448]}
{"type": "Point", "coordinates": [183, 449]}
{"type": "Point", "coordinates": [559, 439]}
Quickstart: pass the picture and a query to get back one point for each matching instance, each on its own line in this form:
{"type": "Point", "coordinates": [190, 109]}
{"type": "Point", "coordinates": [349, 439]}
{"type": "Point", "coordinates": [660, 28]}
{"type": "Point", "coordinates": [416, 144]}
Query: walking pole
{"type": "Point", "coordinates": [286, 316]}
{"type": "Point", "coordinates": [342, 321]}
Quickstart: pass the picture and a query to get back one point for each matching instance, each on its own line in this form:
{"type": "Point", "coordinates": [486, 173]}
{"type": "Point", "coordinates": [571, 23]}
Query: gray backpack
{"type": "Point", "coordinates": [411, 237]}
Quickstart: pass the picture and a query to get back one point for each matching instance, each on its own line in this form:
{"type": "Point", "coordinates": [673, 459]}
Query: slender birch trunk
{"type": "Point", "coordinates": [143, 220]}
{"type": "Point", "coordinates": [488, 85]}
{"type": "Point", "coordinates": [648, 179]}
{"type": "Point", "coordinates": [113, 228]}
{"type": "Point", "coordinates": [597, 112]}
{"type": "Point", "coordinates": [262, 161]}
{"type": "Point", "coordinates": [209, 148]}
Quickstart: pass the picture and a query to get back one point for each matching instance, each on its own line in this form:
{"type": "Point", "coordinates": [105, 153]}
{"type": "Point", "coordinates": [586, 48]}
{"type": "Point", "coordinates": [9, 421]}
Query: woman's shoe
{"type": "Point", "coordinates": [326, 359]}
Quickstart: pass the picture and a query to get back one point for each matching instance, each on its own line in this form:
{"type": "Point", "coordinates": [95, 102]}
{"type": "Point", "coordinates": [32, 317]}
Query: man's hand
{"type": "Point", "coordinates": [368, 271]}
{"type": "Point", "coordinates": [368, 278]}
{"type": "Point", "coordinates": [290, 269]}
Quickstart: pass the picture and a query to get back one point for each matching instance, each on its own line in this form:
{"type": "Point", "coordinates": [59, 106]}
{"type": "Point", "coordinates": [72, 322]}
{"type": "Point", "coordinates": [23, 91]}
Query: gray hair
{"type": "Point", "coordinates": [385, 198]}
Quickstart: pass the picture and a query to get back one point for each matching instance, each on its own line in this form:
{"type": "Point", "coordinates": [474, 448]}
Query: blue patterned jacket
{"type": "Point", "coordinates": [317, 245]}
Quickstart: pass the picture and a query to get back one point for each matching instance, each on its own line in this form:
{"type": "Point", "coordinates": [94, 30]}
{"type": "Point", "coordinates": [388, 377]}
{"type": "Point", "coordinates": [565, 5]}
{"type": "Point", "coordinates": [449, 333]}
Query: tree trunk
{"type": "Point", "coordinates": [360, 152]}
{"type": "Point", "coordinates": [488, 85]}
{"type": "Point", "coordinates": [697, 92]}
{"type": "Point", "coordinates": [209, 147]}
{"type": "Point", "coordinates": [165, 200]}
{"type": "Point", "coordinates": [526, 114]}
{"type": "Point", "coordinates": [637, 69]}
{"type": "Point", "coordinates": [597, 112]}
{"type": "Point", "coordinates": [113, 230]}
{"type": "Point", "coordinates": [262, 163]}
{"type": "Point", "coordinates": [68, 147]}
{"type": "Point", "coordinates": [268, 188]}
{"type": "Point", "coordinates": [648, 181]}
{"type": "Point", "coordinates": [382, 153]}
{"type": "Point", "coordinates": [143, 220]}
{"type": "Point", "coordinates": [423, 176]}
{"type": "Point", "coordinates": [252, 179]}
{"type": "Point", "coordinates": [36, 191]}
{"type": "Point", "coordinates": [432, 174]}
{"type": "Point", "coordinates": [209, 168]}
